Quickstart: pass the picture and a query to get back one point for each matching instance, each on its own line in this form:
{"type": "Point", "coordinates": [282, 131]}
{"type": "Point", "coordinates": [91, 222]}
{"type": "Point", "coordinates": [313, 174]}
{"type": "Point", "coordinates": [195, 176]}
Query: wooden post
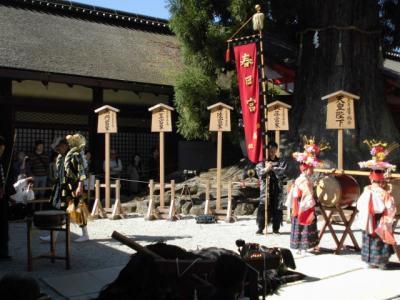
{"type": "Point", "coordinates": [229, 209]}
{"type": "Point", "coordinates": [340, 115]}
{"type": "Point", "coordinates": [117, 209]}
{"type": "Point", "coordinates": [207, 205]}
{"type": "Point", "coordinates": [162, 175]}
{"type": "Point", "coordinates": [340, 149]}
{"type": "Point", "coordinates": [278, 140]}
{"type": "Point", "coordinates": [107, 123]}
{"type": "Point", "coordinates": [107, 170]}
{"type": "Point", "coordinates": [220, 120]}
{"type": "Point", "coordinates": [98, 209]}
{"type": "Point", "coordinates": [219, 166]}
{"type": "Point", "coordinates": [171, 215]}
{"type": "Point", "coordinates": [151, 200]}
{"type": "Point", "coordinates": [161, 122]}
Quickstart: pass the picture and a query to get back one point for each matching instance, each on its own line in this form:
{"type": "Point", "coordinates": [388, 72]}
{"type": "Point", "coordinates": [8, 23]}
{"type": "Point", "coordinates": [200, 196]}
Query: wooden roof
{"type": "Point", "coordinates": [77, 43]}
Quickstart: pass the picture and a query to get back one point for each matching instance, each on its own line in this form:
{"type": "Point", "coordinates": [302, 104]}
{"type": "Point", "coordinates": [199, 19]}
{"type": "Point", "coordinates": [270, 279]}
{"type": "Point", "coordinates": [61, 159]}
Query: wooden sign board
{"type": "Point", "coordinates": [107, 121]}
{"type": "Point", "coordinates": [278, 116]}
{"type": "Point", "coordinates": [220, 118]}
{"type": "Point", "coordinates": [340, 110]}
{"type": "Point", "coordinates": [161, 119]}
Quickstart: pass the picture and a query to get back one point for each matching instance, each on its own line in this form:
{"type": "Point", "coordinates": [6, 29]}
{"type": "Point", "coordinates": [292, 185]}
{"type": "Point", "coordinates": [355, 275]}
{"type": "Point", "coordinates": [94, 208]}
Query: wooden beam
{"type": "Point", "coordinates": [85, 81]}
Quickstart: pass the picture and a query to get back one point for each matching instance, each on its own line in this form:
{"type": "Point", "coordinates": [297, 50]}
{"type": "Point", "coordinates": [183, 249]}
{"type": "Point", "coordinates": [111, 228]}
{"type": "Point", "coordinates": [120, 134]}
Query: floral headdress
{"type": "Point", "coordinates": [311, 150]}
{"type": "Point", "coordinates": [379, 151]}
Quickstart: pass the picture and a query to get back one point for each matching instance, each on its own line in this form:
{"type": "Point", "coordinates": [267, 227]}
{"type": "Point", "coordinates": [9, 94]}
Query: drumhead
{"type": "Point", "coordinates": [342, 190]}
{"type": "Point", "coordinates": [328, 191]}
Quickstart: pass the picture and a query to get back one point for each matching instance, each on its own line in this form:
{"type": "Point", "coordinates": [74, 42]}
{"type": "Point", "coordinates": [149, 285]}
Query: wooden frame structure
{"type": "Point", "coordinates": [116, 211]}
{"type": "Point", "coordinates": [168, 213]}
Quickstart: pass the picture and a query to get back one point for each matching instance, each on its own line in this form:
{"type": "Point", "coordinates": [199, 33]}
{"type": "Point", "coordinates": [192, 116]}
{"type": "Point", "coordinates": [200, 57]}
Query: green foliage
{"type": "Point", "coordinates": [203, 26]}
{"type": "Point", "coordinates": [194, 91]}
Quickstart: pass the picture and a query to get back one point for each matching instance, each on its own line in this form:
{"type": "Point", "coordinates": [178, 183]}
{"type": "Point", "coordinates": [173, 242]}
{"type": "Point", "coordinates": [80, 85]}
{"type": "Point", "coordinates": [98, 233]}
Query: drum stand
{"type": "Point", "coordinates": [344, 222]}
{"type": "Point", "coordinates": [396, 247]}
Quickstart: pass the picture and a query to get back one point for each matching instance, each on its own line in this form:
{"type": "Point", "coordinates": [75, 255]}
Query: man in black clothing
{"type": "Point", "coordinates": [3, 205]}
{"type": "Point", "coordinates": [275, 169]}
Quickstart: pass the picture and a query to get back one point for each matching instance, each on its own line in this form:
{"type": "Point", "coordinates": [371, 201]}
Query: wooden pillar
{"type": "Point", "coordinates": [162, 169]}
{"type": "Point", "coordinates": [107, 169]}
{"type": "Point", "coordinates": [96, 145]}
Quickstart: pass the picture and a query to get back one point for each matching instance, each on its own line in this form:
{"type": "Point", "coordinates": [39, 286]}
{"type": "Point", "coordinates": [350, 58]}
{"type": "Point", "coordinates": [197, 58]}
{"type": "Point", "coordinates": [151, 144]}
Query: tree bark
{"type": "Point", "coordinates": [319, 74]}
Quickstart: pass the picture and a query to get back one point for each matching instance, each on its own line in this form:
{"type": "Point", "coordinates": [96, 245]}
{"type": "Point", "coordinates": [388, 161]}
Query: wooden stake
{"type": "Point", "coordinates": [229, 210]}
{"type": "Point", "coordinates": [207, 205]}
{"type": "Point", "coordinates": [98, 209]}
{"type": "Point", "coordinates": [117, 210]}
{"type": "Point", "coordinates": [162, 176]}
{"type": "Point", "coordinates": [151, 200]}
{"type": "Point", "coordinates": [340, 149]}
{"type": "Point", "coordinates": [219, 166]}
{"type": "Point", "coordinates": [107, 169]}
{"type": "Point", "coordinates": [171, 215]}
{"type": "Point", "coordinates": [278, 141]}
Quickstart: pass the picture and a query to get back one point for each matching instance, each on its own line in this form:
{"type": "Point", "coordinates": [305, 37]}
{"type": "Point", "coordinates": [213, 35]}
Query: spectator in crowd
{"type": "Point", "coordinates": [38, 167]}
{"type": "Point", "coordinates": [19, 165]}
{"type": "Point", "coordinates": [53, 173]}
{"type": "Point", "coordinates": [115, 164]}
{"type": "Point", "coordinates": [23, 193]}
{"type": "Point", "coordinates": [154, 164]}
{"type": "Point", "coordinates": [135, 173]}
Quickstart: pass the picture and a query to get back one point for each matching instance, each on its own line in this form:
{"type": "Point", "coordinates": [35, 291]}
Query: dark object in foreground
{"type": "Point", "coordinates": [162, 271]}
{"type": "Point", "coordinates": [271, 263]}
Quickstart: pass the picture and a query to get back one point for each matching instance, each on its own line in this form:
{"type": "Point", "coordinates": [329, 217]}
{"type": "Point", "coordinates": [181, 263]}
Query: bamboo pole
{"type": "Point", "coordinates": [351, 172]}
{"type": "Point", "coordinates": [264, 89]}
{"type": "Point", "coordinates": [162, 175]}
{"type": "Point", "coordinates": [107, 169]}
{"type": "Point", "coordinates": [219, 166]}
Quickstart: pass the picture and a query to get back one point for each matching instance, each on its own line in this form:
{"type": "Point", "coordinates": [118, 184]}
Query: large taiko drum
{"type": "Point", "coordinates": [49, 218]}
{"type": "Point", "coordinates": [338, 189]}
{"type": "Point", "coordinates": [394, 187]}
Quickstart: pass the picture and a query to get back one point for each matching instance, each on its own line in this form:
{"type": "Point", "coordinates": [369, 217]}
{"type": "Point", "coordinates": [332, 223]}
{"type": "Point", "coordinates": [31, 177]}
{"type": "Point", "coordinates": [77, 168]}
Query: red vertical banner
{"type": "Point", "coordinates": [249, 89]}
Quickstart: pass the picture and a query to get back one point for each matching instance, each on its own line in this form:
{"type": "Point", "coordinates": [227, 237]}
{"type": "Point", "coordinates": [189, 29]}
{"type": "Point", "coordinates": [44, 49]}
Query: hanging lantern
{"type": "Point", "coordinates": [258, 19]}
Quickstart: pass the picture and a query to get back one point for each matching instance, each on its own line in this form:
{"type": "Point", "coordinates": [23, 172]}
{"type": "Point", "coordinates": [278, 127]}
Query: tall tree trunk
{"type": "Point", "coordinates": [318, 75]}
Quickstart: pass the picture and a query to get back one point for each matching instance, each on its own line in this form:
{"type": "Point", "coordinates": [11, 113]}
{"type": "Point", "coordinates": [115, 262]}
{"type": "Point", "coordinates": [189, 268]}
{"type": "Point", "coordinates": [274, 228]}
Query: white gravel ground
{"type": "Point", "coordinates": [103, 252]}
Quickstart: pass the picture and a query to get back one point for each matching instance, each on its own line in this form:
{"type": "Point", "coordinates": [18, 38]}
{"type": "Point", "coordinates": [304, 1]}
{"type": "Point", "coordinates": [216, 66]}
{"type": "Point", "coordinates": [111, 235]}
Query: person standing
{"type": "Point", "coordinates": [75, 177]}
{"type": "Point", "coordinates": [135, 172]}
{"type": "Point", "coordinates": [377, 209]}
{"type": "Point", "coordinates": [304, 232]}
{"type": "Point", "coordinates": [4, 255]}
{"type": "Point", "coordinates": [67, 191]}
{"type": "Point", "coordinates": [153, 164]}
{"type": "Point", "coordinates": [39, 168]}
{"type": "Point", "coordinates": [115, 164]}
{"type": "Point", "coordinates": [274, 168]}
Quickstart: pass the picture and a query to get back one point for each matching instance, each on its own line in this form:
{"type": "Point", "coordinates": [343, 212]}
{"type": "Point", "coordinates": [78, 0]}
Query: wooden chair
{"type": "Point", "coordinates": [53, 221]}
